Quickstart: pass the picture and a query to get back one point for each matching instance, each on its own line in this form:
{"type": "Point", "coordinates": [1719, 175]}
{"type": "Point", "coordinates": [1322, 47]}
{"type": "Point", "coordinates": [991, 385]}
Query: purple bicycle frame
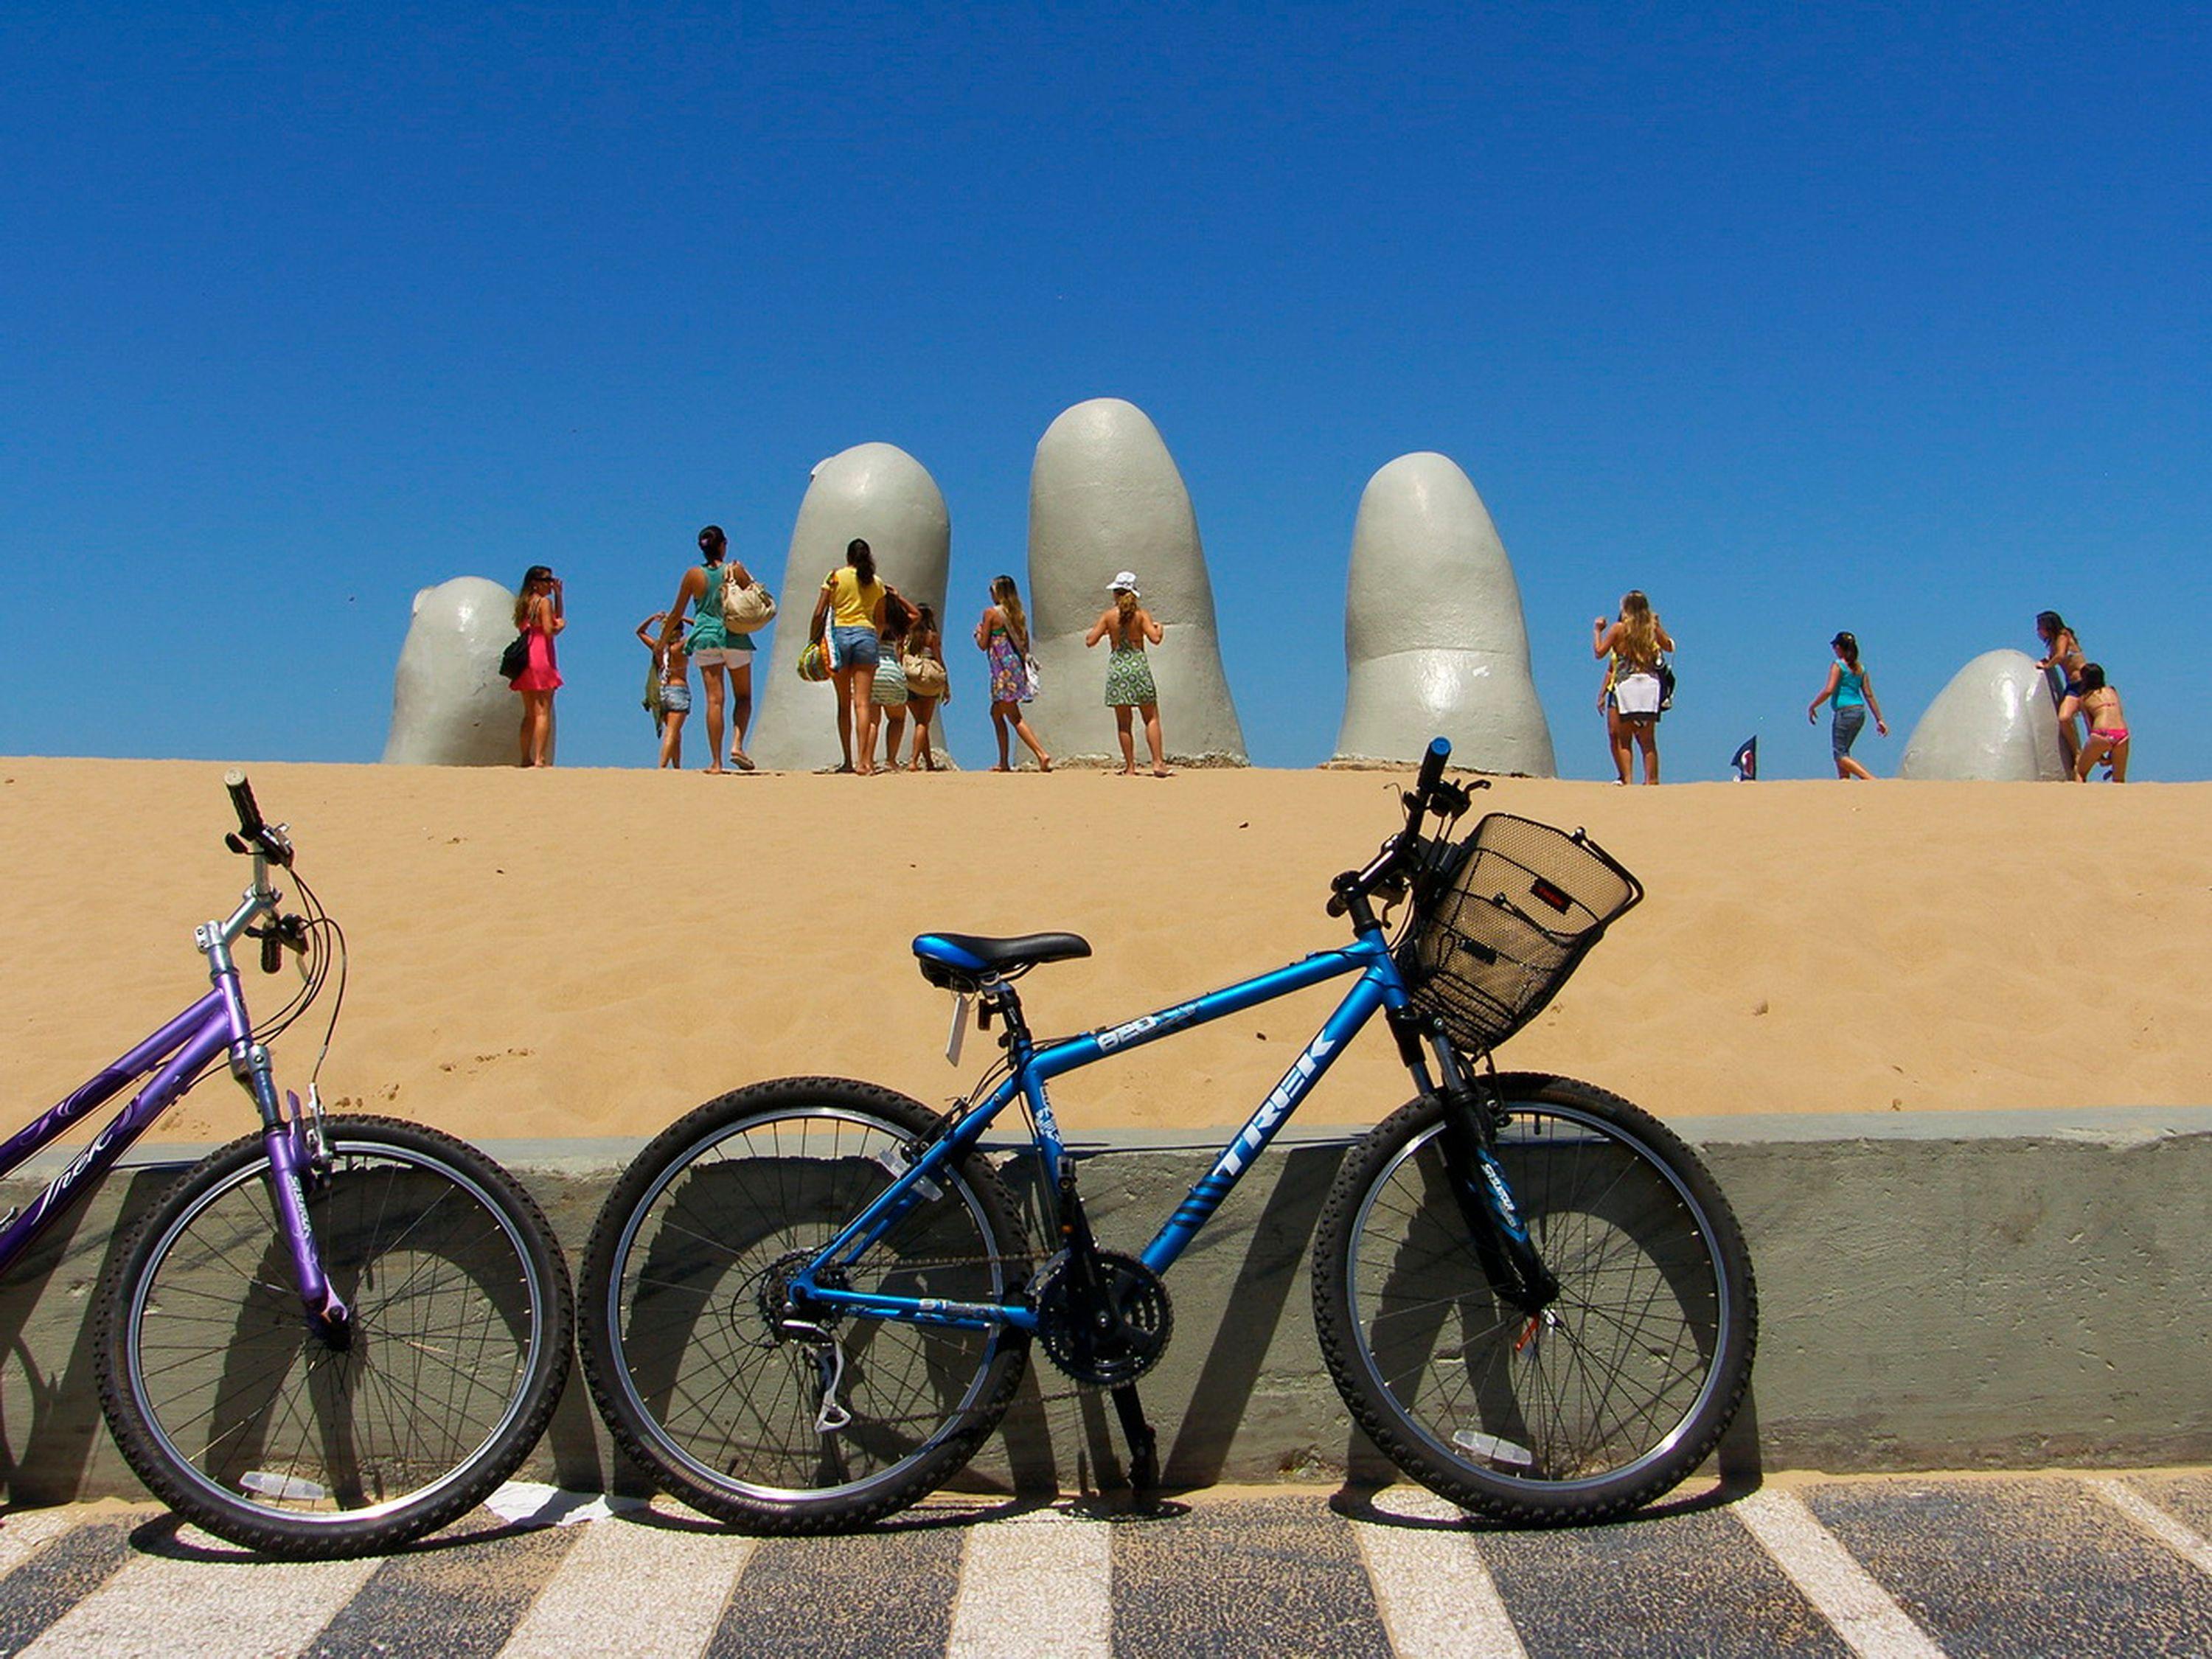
{"type": "Point", "coordinates": [177, 1053]}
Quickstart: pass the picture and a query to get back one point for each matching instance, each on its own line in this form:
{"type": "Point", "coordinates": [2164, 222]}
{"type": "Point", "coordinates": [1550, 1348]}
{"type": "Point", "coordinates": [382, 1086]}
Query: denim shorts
{"type": "Point", "coordinates": [1845, 731]}
{"type": "Point", "coordinates": [676, 699]}
{"type": "Point", "coordinates": [858, 647]}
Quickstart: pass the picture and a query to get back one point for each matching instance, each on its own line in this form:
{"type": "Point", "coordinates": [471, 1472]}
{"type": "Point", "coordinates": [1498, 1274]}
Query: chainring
{"type": "Point", "coordinates": [1138, 1321]}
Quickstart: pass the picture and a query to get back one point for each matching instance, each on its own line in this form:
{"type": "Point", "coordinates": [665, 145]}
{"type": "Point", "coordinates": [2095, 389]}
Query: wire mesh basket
{"type": "Point", "coordinates": [1501, 919]}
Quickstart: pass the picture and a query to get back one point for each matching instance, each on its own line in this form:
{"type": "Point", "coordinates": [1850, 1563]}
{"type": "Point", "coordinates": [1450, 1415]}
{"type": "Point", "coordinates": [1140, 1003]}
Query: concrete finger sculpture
{"type": "Point", "coordinates": [882, 495]}
{"type": "Point", "coordinates": [1434, 642]}
{"type": "Point", "coordinates": [1994, 723]}
{"type": "Point", "coordinates": [449, 705]}
{"type": "Point", "coordinates": [1105, 496]}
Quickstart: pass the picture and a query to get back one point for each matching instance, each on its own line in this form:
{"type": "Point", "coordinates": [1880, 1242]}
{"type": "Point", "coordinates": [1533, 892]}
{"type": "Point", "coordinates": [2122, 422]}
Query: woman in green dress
{"type": "Point", "coordinates": [1129, 688]}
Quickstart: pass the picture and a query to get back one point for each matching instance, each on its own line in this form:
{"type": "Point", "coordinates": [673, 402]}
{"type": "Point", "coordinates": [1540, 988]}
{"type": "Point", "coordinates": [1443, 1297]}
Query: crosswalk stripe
{"type": "Point", "coordinates": [2156, 1522]}
{"type": "Point", "coordinates": [1036, 1583]}
{"type": "Point", "coordinates": [23, 1534]}
{"type": "Point", "coordinates": [1864, 1614]}
{"type": "Point", "coordinates": [1436, 1596]}
{"type": "Point", "coordinates": [271, 1609]}
{"type": "Point", "coordinates": [632, 1588]}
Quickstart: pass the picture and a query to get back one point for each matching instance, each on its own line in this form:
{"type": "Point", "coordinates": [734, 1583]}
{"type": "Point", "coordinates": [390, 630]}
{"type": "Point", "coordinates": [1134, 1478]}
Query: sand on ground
{"type": "Point", "coordinates": [581, 952]}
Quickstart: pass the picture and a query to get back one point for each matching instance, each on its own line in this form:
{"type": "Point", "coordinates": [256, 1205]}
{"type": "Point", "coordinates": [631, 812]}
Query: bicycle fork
{"type": "Point", "coordinates": [1495, 1227]}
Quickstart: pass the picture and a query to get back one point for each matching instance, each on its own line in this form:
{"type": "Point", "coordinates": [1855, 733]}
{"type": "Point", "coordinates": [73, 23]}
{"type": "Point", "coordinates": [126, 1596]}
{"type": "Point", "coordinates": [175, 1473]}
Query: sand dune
{"type": "Point", "coordinates": [581, 952]}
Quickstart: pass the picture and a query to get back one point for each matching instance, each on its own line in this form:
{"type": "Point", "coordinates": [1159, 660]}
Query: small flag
{"type": "Point", "coordinates": [1745, 760]}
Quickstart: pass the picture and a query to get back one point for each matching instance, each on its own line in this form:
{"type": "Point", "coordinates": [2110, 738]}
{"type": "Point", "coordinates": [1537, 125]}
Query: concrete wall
{"type": "Point", "coordinates": [1945, 1290]}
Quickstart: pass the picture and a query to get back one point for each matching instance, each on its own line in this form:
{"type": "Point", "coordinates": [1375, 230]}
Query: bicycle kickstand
{"type": "Point", "coordinates": [1144, 1444]}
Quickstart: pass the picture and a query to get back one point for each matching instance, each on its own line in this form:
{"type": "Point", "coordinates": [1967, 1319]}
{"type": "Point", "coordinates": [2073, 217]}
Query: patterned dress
{"type": "Point", "coordinates": [1010, 681]}
{"type": "Point", "coordinates": [1129, 678]}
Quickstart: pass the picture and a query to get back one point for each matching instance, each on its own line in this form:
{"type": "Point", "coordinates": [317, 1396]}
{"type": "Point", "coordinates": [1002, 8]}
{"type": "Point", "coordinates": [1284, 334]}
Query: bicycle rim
{"type": "Point", "coordinates": [1617, 1380]}
{"type": "Point", "coordinates": [713, 1390]}
{"type": "Point", "coordinates": [257, 1420]}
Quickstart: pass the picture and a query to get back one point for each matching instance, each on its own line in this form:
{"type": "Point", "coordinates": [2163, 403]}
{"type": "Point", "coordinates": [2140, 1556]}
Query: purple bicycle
{"type": "Point", "coordinates": [336, 1333]}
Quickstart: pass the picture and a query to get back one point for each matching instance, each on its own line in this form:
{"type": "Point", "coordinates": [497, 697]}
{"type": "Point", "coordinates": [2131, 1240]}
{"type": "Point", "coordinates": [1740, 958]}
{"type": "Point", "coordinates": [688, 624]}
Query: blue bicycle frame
{"type": "Point", "coordinates": [1380, 986]}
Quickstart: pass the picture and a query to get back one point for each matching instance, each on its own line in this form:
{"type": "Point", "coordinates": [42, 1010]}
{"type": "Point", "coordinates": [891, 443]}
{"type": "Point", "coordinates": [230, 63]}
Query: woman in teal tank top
{"type": "Point", "coordinates": [715, 652]}
{"type": "Point", "coordinates": [1851, 689]}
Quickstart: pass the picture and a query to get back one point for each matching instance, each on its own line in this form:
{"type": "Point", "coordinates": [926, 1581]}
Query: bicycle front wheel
{"type": "Point", "coordinates": [244, 1419]}
{"type": "Point", "coordinates": [1610, 1396]}
{"type": "Point", "coordinates": [682, 1339]}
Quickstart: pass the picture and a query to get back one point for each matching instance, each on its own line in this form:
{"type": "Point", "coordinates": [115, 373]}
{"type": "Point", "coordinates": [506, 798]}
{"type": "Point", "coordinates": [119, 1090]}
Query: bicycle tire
{"type": "Point", "coordinates": [244, 1422]}
{"type": "Point", "coordinates": [1628, 1382]}
{"type": "Point", "coordinates": [692, 1380]}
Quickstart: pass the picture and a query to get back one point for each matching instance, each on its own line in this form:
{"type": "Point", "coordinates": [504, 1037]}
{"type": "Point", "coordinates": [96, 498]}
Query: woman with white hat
{"type": "Point", "coordinates": [1128, 676]}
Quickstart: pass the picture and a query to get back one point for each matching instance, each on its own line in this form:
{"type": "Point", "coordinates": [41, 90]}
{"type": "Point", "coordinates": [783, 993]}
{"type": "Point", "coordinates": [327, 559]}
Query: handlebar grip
{"type": "Point", "coordinates": [241, 798]}
{"type": "Point", "coordinates": [1432, 767]}
{"type": "Point", "coordinates": [273, 952]}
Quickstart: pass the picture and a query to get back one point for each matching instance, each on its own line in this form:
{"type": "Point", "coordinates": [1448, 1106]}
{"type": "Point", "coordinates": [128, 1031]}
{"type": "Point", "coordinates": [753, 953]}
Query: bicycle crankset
{"type": "Point", "coordinates": [1110, 1336]}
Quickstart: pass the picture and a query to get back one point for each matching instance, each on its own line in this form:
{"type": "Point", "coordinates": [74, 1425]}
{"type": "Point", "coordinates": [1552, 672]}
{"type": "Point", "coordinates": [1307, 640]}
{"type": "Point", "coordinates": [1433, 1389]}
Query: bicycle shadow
{"type": "Point", "coordinates": [51, 1431]}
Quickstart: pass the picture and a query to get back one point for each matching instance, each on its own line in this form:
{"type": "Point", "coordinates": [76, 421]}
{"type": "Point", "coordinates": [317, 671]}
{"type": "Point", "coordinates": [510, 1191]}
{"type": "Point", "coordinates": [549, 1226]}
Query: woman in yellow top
{"type": "Point", "coordinates": [852, 603]}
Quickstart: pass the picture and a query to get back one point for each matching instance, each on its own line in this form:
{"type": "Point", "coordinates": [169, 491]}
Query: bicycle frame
{"type": "Point", "coordinates": [177, 1055]}
{"type": "Point", "coordinates": [1379, 985]}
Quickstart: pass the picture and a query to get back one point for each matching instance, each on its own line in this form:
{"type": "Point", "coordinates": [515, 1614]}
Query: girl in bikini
{"type": "Point", "coordinates": [2108, 726]}
{"type": "Point", "coordinates": [2062, 657]}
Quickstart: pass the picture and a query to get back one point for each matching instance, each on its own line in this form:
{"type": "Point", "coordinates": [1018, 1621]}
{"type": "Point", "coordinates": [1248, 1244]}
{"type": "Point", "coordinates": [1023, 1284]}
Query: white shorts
{"type": "Point", "coordinates": [719, 656]}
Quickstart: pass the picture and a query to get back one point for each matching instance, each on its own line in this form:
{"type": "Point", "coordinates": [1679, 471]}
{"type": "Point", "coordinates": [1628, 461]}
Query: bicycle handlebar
{"type": "Point", "coordinates": [1392, 865]}
{"type": "Point", "coordinates": [254, 833]}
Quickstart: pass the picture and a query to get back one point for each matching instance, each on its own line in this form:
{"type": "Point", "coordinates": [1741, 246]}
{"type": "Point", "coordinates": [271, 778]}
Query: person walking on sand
{"type": "Point", "coordinates": [1853, 688]}
{"type": "Point", "coordinates": [2108, 727]}
{"type": "Point", "coordinates": [1633, 642]}
{"type": "Point", "coordinates": [891, 694]}
{"type": "Point", "coordinates": [851, 602]}
{"type": "Point", "coordinates": [1129, 689]}
{"type": "Point", "coordinates": [672, 682]}
{"type": "Point", "coordinates": [2062, 660]}
{"type": "Point", "coordinates": [1002, 636]}
{"type": "Point", "coordinates": [538, 616]}
{"type": "Point", "coordinates": [924, 663]}
{"type": "Point", "coordinates": [717, 652]}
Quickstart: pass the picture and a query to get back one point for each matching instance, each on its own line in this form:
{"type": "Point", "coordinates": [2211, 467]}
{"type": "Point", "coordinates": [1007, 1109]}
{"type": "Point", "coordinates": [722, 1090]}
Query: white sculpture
{"type": "Point", "coordinates": [1993, 723]}
{"type": "Point", "coordinates": [1105, 496]}
{"type": "Point", "coordinates": [1434, 642]}
{"type": "Point", "coordinates": [449, 705]}
{"type": "Point", "coordinates": [882, 495]}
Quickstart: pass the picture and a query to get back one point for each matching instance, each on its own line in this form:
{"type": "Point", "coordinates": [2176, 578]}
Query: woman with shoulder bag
{"type": "Point", "coordinates": [537, 618]}
{"type": "Point", "coordinates": [927, 683]}
{"type": "Point", "coordinates": [1002, 636]}
{"type": "Point", "coordinates": [1634, 643]}
{"type": "Point", "coordinates": [715, 650]}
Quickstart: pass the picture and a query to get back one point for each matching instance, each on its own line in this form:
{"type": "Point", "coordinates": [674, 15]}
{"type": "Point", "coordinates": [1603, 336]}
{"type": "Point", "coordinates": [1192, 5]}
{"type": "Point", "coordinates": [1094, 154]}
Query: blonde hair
{"type": "Point", "coordinates": [1126, 627]}
{"type": "Point", "coordinates": [1640, 629]}
{"type": "Point", "coordinates": [1010, 601]}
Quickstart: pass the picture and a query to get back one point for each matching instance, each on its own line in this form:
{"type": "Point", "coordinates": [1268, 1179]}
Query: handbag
{"type": "Point", "coordinates": [1666, 685]}
{"type": "Point", "coordinates": [813, 662]}
{"type": "Point", "coordinates": [514, 661]}
{"type": "Point", "coordinates": [1036, 675]}
{"type": "Point", "coordinates": [747, 610]}
{"type": "Point", "coordinates": [925, 676]}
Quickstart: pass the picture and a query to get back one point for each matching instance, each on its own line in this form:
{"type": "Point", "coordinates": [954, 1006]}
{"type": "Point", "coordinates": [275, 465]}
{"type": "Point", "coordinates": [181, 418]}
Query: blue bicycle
{"type": "Point", "coordinates": [808, 1303]}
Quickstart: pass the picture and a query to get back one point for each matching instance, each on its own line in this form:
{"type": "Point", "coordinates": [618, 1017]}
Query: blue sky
{"type": "Point", "coordinates": [1882, 318]}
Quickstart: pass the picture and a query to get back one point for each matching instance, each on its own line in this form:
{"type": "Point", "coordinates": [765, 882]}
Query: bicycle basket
{"type": "Point", "coordinates": [1502, 919]}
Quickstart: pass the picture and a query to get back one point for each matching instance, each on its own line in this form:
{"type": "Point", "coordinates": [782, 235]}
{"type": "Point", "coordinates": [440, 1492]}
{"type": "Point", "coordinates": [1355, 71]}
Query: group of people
{"type": "Point", "coordinates": [882, 653]}
{"type": "Point", "coordinates": [1639, 684]}
{"type": "Point", "coordinates": [885, 656]}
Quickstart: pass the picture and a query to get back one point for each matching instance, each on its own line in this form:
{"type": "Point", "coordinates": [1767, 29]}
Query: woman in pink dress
{"type": "Point", "coordinates": [538, 616]}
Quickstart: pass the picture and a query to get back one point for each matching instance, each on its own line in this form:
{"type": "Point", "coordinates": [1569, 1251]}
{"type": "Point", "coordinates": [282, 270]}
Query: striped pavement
{"type": "Point", "coordinates": [1891, 1568]}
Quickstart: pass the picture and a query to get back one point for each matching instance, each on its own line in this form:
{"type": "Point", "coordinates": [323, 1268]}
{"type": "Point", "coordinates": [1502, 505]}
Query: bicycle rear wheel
{"type": "Point", "coordinates": [1619, 1389]}
{"type": "Point", "coordinates": [242, 1419]}
{"type": "Point", "coordinates": [681, 1348]}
